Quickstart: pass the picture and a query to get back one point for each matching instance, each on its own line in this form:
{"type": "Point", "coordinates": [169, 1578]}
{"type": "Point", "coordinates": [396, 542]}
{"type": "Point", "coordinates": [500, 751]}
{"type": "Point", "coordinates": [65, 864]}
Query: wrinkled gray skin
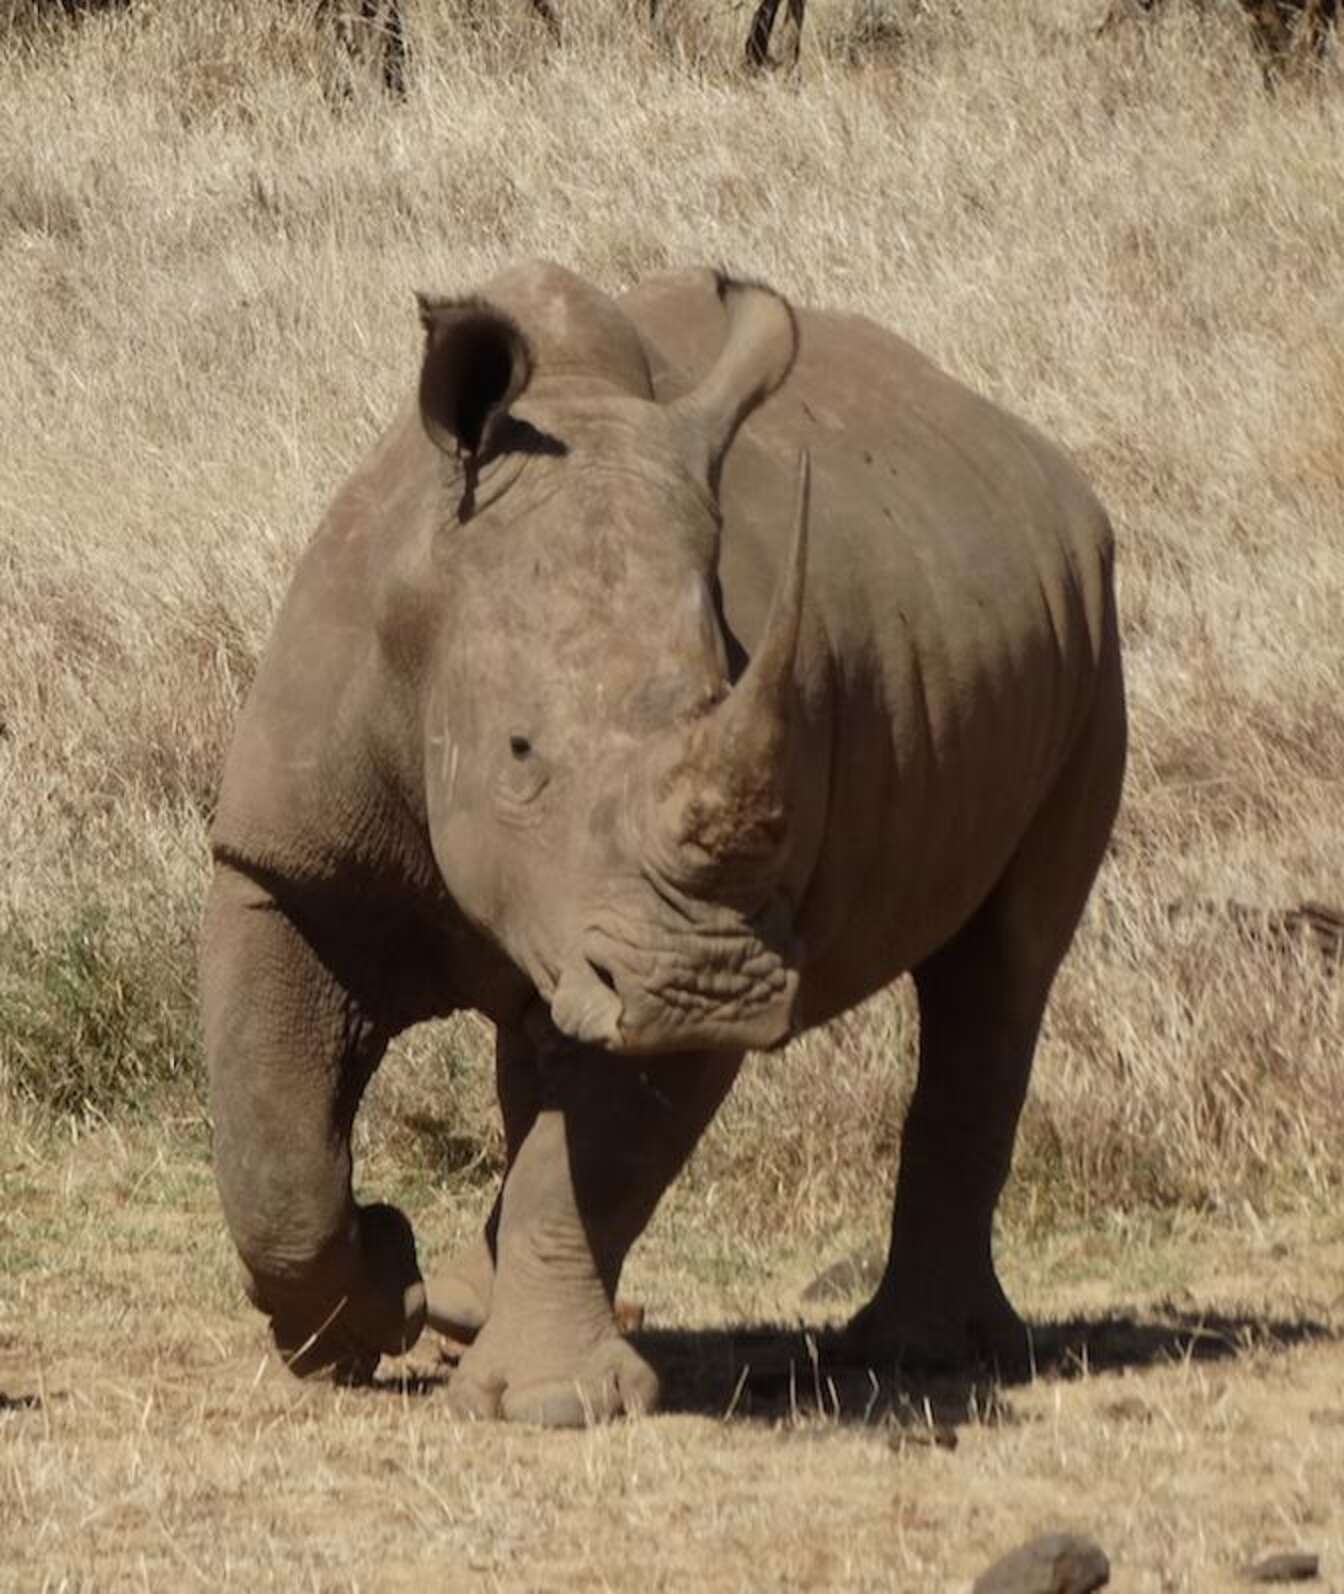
{"type": "Point", "coordinates": [585, 711]}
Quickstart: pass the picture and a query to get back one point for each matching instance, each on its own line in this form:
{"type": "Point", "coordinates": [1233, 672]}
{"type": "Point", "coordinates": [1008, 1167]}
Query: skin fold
{"type": "Point", "coordinates": [677, 671]}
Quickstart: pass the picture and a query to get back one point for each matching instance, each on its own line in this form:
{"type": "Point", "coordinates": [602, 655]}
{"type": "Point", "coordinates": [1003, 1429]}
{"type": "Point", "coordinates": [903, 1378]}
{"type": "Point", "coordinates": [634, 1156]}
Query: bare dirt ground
{"type": "Point", "coordinates": [210, 231]}
{"type": "Point", "coordinates": [1188, 1412]}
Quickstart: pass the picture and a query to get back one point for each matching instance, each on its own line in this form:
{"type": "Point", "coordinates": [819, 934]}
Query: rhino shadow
{"type": "Point", "coordinates": [770, 1372]}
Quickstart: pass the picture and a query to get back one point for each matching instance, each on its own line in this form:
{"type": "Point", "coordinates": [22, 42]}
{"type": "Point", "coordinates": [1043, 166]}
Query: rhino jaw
{"type": "Point", "coordinates": [590, 1007]}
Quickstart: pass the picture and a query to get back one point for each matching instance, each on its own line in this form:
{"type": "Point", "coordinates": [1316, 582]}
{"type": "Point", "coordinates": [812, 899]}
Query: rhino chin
{"type": "Point", "coordinates": [587, 1009]}
{"type": "Point", "coordinates": [765, 1031]}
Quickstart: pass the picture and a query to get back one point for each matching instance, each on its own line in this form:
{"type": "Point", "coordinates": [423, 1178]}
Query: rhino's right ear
{"type": "Point", "coordinates": [476, 364]}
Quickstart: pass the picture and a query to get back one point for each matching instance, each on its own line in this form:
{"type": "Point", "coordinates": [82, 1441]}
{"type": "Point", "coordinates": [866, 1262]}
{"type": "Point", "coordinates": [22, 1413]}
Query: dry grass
{"type": "Point", "coordinates": [208, 258]}
{"type": "Point", "coordinates": [208, 253]}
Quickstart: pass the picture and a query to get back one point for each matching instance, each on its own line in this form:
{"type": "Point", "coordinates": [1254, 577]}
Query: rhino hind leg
{"type": "Point", "coordinates": [939, 1302]}
{"type": "Point", "coordinates": [981, 1000]}
{"type": "Point", "coordinates": [609, 1136]}
{"type": "Point", "coordinates": [289, 1053]}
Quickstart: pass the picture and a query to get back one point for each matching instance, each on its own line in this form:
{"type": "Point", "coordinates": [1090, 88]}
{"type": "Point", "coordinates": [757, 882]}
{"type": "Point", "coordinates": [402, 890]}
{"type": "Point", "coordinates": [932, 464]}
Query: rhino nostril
{"type": "Point", "coordinates": [604, 974]}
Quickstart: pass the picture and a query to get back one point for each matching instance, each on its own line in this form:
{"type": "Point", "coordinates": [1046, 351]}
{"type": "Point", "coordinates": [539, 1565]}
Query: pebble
{"type": "Point", "coordinates": [1056, 1563]}
{"type": "Point", "coordinates": [928, 1436]}
{"type": "Point", "coordinates": [1293, 1566]}
{"type": "Point", "coordinates": [852, 1275]}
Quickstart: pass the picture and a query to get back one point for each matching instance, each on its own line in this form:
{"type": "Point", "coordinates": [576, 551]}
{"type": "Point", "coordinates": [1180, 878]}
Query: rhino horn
{"type": "Point", "coordinates": [476, 364]}
{"type": "Point", "coordinates": [743, 753]}
{"type": "Point", "coordinates": [757, 355]}
{"type": "Point", "coordinates": [764, 691]}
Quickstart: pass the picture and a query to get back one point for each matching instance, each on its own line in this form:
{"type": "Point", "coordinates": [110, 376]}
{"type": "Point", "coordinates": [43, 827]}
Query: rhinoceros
{"type": "Point", "coordinates": [676, 672]}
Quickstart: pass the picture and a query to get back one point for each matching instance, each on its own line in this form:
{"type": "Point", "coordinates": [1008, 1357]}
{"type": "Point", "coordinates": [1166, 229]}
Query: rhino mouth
{"type": "Point", "coordinates": [733, 993]}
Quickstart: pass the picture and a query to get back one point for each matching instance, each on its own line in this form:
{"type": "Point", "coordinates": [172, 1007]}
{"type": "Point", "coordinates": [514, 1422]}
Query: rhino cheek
{"type": "Point", "coordinates": [451, 756]}
{"type": "Point", "coordinates": [776, 1023]}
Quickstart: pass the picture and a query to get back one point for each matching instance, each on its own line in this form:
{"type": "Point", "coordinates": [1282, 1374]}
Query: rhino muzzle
{"type": "Point", "coordinates": [586, 1006]}
{"type": "Point", "coordinates": [597, 1003]}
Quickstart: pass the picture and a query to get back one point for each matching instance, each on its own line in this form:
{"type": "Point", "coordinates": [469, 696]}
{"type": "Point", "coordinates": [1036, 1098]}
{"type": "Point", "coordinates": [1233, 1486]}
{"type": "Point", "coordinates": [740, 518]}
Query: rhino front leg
{"type": "Point", "coordinates": [610, 1136]}
{"type": "Point", "coordinates": [459, 1293]}
{"type": "Point", "coordinates": [289, 1051]}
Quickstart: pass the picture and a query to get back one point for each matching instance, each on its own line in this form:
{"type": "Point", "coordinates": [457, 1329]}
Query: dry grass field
{"type": "Point", "coordinates": [210, 230]}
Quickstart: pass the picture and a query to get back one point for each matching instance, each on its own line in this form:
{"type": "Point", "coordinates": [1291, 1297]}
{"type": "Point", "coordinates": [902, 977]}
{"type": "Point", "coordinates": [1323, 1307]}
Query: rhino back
{"type": "Point", "coordinates": [959, 617]}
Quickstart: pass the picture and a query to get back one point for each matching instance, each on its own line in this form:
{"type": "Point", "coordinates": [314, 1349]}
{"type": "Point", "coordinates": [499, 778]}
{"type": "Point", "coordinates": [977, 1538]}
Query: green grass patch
{"type": "Point", "coordinates": [98, 1017]}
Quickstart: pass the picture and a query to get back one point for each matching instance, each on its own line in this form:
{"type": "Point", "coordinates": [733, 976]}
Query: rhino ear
{"type": "Point", "coordinates": [476, 364]}
{"type": "Point", "coordinates": [757, 355]}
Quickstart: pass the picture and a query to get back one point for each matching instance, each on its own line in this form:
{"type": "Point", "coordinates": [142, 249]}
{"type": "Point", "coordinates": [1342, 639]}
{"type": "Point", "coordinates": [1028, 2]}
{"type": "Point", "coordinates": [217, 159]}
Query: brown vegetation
{"type": "Point", "coordinates": [1288, 33]}
{"type": "Point", "coordinates": [208, 314]}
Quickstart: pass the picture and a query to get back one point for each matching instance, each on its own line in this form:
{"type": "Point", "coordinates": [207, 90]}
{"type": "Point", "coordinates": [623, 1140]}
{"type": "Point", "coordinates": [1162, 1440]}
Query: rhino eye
{"type": "Point", "coordinates": [521, 780]}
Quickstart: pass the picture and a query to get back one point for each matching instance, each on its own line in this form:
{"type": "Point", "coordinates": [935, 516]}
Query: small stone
{"type": "Point", "coordinates": [852, 1275]}
{"type": "Point", "coordinates": [1129, 1408]}
{"type": "Point", "coordinates": [1293, 1566]}
{"type": "Point", "coordinates": [927, 1436]}
{"type": "Point", "coordinates": [1056, 1563]}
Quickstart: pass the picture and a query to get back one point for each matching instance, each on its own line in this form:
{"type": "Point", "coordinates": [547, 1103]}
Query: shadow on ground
{"type": "Point", "coordinates": [775, 1372]}
{"type": "Point", "coordinates": [770, 1372]}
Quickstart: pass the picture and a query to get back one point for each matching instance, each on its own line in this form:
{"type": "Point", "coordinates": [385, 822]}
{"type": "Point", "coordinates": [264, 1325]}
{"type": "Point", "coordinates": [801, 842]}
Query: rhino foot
{"type": "Point", "coordinates": [341, 1362]}
{"type": "Point", "coordinates": [898, 1327]}
{"type": "Point", "coordinates": [364, 1301]}
{"type": "Point", "coordinates": [458, 1296]}
{"type": "Point", "coordinates": [606, 1379]}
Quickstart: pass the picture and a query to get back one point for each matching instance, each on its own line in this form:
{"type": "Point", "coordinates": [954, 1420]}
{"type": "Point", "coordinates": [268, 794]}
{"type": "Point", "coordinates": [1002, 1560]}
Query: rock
{"type": "Point", "coordinates": [1129, 1408]}
{"type": "Point", "coordinates": [1056, 1563]}
{"type": "Point", "coordinates": [1293, 1566]}
{"type": "Point", "coordinates": [852, 1275]}
{"type": "Point", "coordinates": [929, 1436]}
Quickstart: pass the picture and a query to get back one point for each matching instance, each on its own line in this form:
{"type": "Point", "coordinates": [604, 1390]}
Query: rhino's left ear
{"type": "Point", "coordinates": [757, 355]}
{"type": "Point", "coordinates": [476, 364]}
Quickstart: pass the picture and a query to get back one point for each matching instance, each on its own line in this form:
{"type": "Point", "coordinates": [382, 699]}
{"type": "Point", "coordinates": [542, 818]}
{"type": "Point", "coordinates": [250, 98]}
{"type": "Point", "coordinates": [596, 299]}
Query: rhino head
{"type": "Point", "coordinates": [602, 800]}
